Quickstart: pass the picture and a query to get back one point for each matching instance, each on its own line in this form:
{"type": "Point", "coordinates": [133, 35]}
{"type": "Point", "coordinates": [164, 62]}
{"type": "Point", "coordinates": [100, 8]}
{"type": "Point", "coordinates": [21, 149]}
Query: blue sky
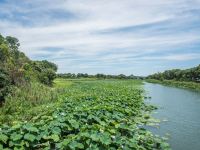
{"type": "Point", "coordinates": [106, 36]}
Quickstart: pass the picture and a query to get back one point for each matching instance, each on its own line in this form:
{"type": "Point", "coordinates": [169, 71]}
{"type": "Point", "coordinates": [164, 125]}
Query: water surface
{"type": "Point", "coordinates": [181, 108]}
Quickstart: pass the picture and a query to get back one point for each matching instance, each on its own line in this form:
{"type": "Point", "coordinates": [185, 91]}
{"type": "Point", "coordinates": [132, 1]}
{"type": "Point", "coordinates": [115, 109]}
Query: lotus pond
{"type": "Point", "coordinates": [92, 115]}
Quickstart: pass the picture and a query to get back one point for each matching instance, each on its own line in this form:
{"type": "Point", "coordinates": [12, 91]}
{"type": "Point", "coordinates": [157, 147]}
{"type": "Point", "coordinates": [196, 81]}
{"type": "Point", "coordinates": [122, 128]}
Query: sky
{"type": "Point", "coordinates": [137, 37]}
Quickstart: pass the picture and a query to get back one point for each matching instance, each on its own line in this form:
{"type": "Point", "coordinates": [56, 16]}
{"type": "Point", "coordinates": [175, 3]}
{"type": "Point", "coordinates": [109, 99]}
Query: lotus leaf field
{"type": "Point", "coordinates": [92, 115]}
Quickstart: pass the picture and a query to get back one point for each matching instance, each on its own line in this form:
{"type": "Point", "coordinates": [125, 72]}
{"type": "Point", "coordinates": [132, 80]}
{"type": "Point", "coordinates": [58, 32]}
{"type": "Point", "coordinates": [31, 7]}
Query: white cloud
{"type": "Point", "coordinates": [183, 57]}
{"type": "Point", "coordinates": [93, 34]}
{"type": "Point", "coordinates": [174, 57]}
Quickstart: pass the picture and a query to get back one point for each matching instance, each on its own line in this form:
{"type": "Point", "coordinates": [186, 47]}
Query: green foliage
{"type": "Point", "coordinates": [4, 84]}
{"type": "Point", "coordinates": [4, 54]}
{"type": "Point", "coordinates": [13, 43]}
{"type": "Point", "coordinates": [26, 102]}
{"type": "Point", "coordinates": [44, 70]}
{"type": "Point", "coordinates": [23, 99]}
{"type": "Point", "coordinates": [47, 64]}
{"type": "Point", "coordinates": [97, 76]}
{"type": "Point", "coordinates": [47, 76]}
{"type": "Point", "coordinates": [189, 78]}
{"type": "Point", "coordinates": [104, 114]}
{"type": "Point", "coordinates": [192, 74]}
{"type": "Point", "coordinates": [17, 69]}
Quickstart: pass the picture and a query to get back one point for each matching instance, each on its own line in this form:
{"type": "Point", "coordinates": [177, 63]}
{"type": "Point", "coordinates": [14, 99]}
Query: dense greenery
{"type": "Point", "coordinates": [192, 75]}
{"type": "Point", "coordinates": [39, 112]}
{"type": "Point", "coordinates": [97, 76]}
{"type": "Point", "coordinates": [188, 78]}
{"type": "Point", "coordinates": [17, 70]}
{"type": "Point", "coordinates": [25, 102]}
{"type": "Point", "coordinates": [103, 114]}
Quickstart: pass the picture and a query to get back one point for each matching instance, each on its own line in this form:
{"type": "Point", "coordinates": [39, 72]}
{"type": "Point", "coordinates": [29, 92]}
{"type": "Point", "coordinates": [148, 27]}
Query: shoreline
{"type": "Point", "coordinates": [180, 84]}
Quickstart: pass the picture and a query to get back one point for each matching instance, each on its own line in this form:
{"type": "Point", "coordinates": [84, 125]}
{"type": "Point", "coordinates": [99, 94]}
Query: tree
{"type": "Point", "coordinates": [16, 68]}
{"type": "Point", "coordinates": [47, 64]}
{"type": "Point", "coordinates": [45, 71]}
{"type": "Point", "coordinates": [192, 74]}
{"type": "Point", "coordinates": [13, 43]}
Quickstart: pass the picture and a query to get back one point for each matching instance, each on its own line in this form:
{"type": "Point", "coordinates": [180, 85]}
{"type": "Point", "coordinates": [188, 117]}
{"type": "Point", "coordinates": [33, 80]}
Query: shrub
{"type": "Point", "coordinates": [4, 84]}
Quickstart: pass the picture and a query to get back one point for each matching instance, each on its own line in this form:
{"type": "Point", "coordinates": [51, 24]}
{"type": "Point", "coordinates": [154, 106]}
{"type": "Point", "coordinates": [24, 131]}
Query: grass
{"type": "Point", "coordinates": [27, 101]}
{"type": "Point", "coordinates": [92, 115]}
{"type": "Point", "coordinates": [62, 83]}
{"type": "Point", "coordinates": [182, 84]}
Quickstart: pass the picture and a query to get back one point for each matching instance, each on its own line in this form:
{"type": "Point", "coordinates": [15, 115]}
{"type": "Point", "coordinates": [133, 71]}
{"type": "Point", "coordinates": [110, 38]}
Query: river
{"type": "Point", "coordinates": [181, 108]}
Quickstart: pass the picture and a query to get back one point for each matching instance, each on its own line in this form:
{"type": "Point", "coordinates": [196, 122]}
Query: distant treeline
{"type": "Point", "coordinates": [16, 69]}
{"type": "Point", "coordinates": [98, 76]}
{"type": "Point", "coordinates": [192, 75]}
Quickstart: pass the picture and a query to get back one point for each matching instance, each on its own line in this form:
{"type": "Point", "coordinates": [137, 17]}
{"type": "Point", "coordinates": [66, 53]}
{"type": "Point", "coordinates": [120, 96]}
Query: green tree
{"type": "Point", "coordinates": [17, 69]}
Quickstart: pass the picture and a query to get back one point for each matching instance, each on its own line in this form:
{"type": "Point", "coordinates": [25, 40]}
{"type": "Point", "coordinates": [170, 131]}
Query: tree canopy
{"type": "Point", "coordinates": [192, 74]}
{"type": "Point", "coordinates": [16, 68]}
{"type": "Point", "coordinates": [98, 76]}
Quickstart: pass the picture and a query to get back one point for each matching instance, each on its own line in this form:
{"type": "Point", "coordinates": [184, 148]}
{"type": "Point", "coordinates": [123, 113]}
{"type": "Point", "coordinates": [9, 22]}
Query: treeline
{"type": "Point", "coordinates": [16, 69]}
{"type": "Point", "coordinates": [98, 76]}
{"type": "Point", "coordinates": [192, 75]}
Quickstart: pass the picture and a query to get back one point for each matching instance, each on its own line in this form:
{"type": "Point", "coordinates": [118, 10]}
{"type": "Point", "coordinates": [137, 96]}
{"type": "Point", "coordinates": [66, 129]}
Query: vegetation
{"type": "Point", "coordinates": [97, 76]}
{"type": "Point", "coordinates": [188, 75]}
{"type": "Point", "coordinates": [181, 84]}
{"type": "Point", "coordinates": [17, 70]}
{"type": "Point", "coordinates": [101, 114]}
{"type": "Point", "coordinates": [40, 112]}
{"type": "Point", "coordinates": [189, 78]}
{"type": "Point", "coordinates": [24, 102]}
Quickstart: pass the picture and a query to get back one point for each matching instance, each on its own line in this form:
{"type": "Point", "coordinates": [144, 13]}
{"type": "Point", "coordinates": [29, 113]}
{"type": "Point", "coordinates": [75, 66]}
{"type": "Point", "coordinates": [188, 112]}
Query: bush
{"type": "Point", "coordinates": [4, 84]}
{"type": "Point", "coordinates": [22, 99]}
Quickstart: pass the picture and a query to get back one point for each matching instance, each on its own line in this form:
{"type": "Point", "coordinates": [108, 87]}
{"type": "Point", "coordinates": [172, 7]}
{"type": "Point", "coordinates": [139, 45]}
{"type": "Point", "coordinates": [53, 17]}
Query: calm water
{"type": "Point", "coordinates": [182, 110]}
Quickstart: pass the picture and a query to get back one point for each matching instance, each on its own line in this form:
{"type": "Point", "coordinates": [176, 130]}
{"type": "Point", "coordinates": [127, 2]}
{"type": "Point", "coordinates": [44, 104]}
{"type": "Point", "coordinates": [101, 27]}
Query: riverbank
{"type": "Point", "coordinates": [181, 84]}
